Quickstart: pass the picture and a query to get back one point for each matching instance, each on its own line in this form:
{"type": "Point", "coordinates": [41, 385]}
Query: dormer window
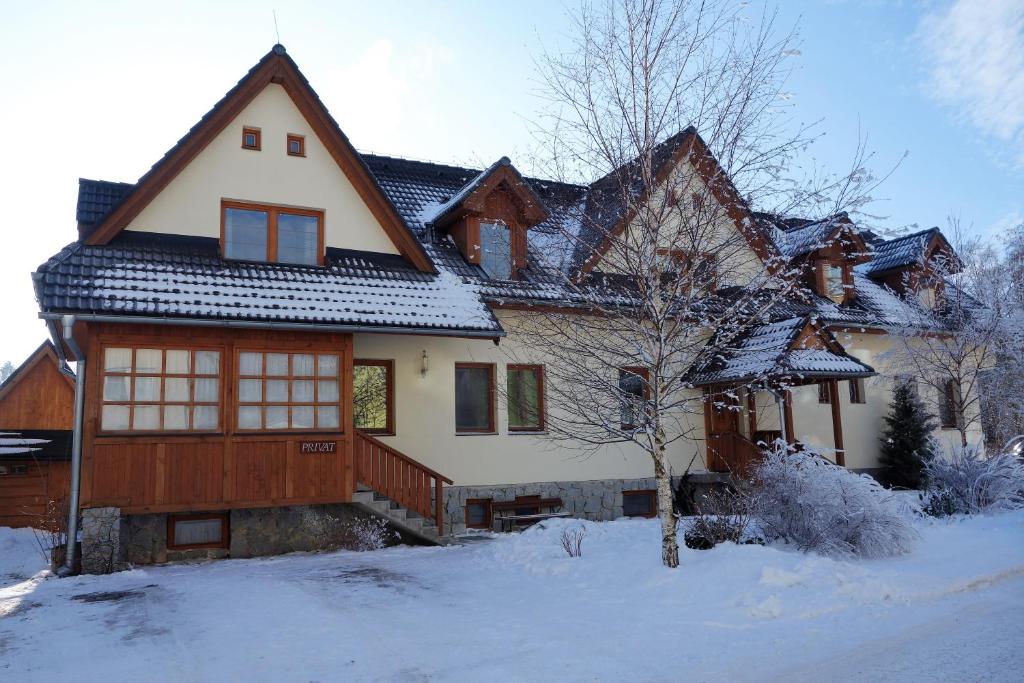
{"type": "Point", "coordinates": [251, 138]}
{"type": "Point", "coordinates": [834, 283]}
{"type": "Point", "coordinates": [296, 145]}
{"type": "Point", "coordinates": [496, 250]}
{"type": "Point", "coordinates": [272, 234]}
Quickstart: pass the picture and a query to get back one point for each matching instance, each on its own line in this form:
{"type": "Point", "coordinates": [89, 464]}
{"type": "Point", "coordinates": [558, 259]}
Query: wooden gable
{"type": "Point", "coordinates": [39, 395]}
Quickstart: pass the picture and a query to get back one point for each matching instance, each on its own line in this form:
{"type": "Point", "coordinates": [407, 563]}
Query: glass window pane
{"type": "Point", "coordinates": [207, 390]}
{"type": "Point", "coordinates": [302, 391]}
{"type": "Point", "coordinates": [178, 362]}
{"type": "Point", "coordinates": [114, 417]}
{"type": "Point", "coordinates": [496, 250]}
{"type": "Point", "coordinates": [327, 391]}
{"type": "Point", "coordinates": [369, 396]}
{"type": "Point", "coordinates": [115, 388]}
{"type": "Point", "coordinates": [117, 360]}
{"type": "Point", "coordinates": [176, 389]}
{"type": "Point", "coordinates": [523, 398]}
{"type": "Point", "coordinates": [250, 390]}
{"type": "Point", "coordinates": [146, 417]}
{"type": "Point", "coordinates": [208, 362]}
{"type": "Point", "coordinates": [147, 388]}
{"type": "Point", "coordinates": [197, 531]}
{"type": "Point", "coordinates": [327, 417]}
{"type": "Point", "coordinates": [277, 417]}
{"type": "Point", "coordinates": [637, 504]}
{"type": "Point", "coordinates": [175, 417]}
{"type": "Point", "coordinates": [277, 390]}
{"type": "Point", "coordinates": [327, 365]}
{"type": "Point", "coordinates": [250, 364]}
{"type": "Point", "coordinates": [277, 364]}
{"type": "Point", "coordinates": [302, 365]}
{"type": "Point", "coordinates": [302, 417]}
{"type": "Point", "coordinates": [472, 398]}
{"type": "Point", "coordinates": [250, 417]}
{"type": "Point", "coordinates": [476, 514]}
{"type": "Point", "coordinates": [245, 234]}
{"type": "Point", "coordinates": [148, 361]}
{"type": "Point", "coordinates": [204, 417]}
{"type": "Point", "coordinates": [297, 239]}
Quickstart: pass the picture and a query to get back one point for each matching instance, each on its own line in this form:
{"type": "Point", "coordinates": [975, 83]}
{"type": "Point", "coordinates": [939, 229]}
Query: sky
{"type": "Point", "coordinates": [103, 89]}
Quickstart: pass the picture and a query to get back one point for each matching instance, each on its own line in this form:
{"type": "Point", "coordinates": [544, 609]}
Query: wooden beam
{"type": "Point", "coordinates": [751, 412]}
{"type": "Point", "coordinates": [787, 409]}
{"type": "Point", "coordinates": [837, 422]}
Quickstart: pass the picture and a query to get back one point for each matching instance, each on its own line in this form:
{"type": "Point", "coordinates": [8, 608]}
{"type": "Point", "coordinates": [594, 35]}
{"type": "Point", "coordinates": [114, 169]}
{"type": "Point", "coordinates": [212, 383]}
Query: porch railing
{"type": "Point", "coordinates": [732, 452]}
{"type": "Point", "coordinates": [400, 478]}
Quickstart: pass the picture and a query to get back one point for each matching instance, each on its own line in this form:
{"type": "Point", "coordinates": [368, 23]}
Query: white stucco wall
{"type": "Point", "coordinates": [190, 204]}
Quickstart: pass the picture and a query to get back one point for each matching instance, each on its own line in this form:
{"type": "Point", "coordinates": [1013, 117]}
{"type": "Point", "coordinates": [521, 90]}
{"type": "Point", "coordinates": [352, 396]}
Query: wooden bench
{"type": "Point", "coordinates": [526, 510]}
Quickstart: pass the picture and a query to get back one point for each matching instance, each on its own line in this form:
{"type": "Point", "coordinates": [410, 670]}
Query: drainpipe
{"type": "Point", "coordinates": [68, 322]}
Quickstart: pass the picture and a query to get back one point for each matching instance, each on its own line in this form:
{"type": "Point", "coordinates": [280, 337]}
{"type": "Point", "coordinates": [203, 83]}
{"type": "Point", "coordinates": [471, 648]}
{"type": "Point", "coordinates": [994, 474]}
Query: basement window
{"type": "Point", "coordinates": [296, 145]}
{"type": "Point", "coordinates": [251, 138]}
{"type": "Point", "coordinates": [185, 532]}
{"type": "Point", "coordinates": [13, 470]}
{"type": "Point", "coordinates": [642, 503]}
{"type": "Point", "coordinates": [478, 513]}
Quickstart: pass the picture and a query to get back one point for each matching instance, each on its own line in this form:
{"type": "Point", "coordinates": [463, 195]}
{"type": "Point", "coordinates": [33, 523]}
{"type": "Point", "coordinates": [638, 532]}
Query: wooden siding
{"type": "Point", "coordinates": [181, 473]}
{"type": "Point", "coordinates": [24, 497]}
{"type": "Point", "coordinates": [38, 396]}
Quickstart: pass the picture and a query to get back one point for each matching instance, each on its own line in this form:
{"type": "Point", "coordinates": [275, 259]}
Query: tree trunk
{"type": "Point", "coordinates": [669, 543]}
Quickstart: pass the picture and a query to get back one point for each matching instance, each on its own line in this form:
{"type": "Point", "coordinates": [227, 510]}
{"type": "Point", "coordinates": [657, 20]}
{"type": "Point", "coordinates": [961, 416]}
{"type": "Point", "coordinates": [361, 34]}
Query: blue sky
{"type": "Point", "coordinates": [102, 90]}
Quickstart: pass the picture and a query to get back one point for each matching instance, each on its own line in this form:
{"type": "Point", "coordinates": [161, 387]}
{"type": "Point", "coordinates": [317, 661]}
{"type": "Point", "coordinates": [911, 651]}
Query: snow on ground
{"type": "Point", "coordinates": [516, 608]}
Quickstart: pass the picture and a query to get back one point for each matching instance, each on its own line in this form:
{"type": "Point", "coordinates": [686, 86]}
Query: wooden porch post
{"type": "Point", "coordinates": [787, 410]}
{"type": "Point", "coordinates": [837, 422]}
{"type": "Point", "coordinates": [751, 412]}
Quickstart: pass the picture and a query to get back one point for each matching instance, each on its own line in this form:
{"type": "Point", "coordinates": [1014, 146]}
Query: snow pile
{"type": "Point", "coordinates": [803, 499]}
{"type": "Point", "coordinates": [20, 555]}
{"type": "Point", "coordinates": [969, 483]}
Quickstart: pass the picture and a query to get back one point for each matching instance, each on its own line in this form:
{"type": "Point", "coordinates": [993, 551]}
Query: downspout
{"type": "Point", "coordinates": [68, 322]}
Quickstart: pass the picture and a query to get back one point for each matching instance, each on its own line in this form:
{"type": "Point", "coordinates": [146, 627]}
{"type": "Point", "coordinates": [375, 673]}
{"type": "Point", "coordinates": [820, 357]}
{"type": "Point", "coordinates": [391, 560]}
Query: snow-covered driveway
{"type": "Point", "coordinates": [517, 609]}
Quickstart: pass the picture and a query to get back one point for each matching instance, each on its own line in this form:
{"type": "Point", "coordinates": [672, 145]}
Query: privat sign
{"type": "Point", "coordinates": [318, 447]}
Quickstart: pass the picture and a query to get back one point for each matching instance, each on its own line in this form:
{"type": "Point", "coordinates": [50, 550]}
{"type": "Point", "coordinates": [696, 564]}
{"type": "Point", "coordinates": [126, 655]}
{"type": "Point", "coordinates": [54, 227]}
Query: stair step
{"type": "Point", "coordinates": [364, 497]}
{"type": "Point", "coordinates": [398, 514]}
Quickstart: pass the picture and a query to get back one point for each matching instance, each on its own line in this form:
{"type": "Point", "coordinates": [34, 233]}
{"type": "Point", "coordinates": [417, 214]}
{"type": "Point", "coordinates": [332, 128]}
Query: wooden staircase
{"type": "Point", "coordinates": [394, 487]}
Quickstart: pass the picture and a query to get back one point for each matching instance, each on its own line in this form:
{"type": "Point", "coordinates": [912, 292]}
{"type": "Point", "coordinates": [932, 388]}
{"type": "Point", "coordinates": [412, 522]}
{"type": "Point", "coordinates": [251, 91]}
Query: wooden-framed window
{"type": "Point", "coordinates": [496, 250]}
{"type": "Point", "coordinates": [13, 470]}
{"type": "Point", "coordinates": [373, 395]}
{"type": "Point", "coordinates": [824, 394]}
{"type": "Point", "coordinates": [478, 513]}
{"type": "Point", "coordinates": [634, 392]}
{"type": "Point", "coordinates": [204, 530]}
{"type": "Point", "coordinates": [289, 391]}
{"type": "Point", "coordinates": [857, 394]}
{"type": "Point", "coordinates": [474, 398]}
{"type": "Point", "coordinates": [275, 234]}
{"type": "Point", "coordinates": [525, 398]}
{"type": "Point", "coordinates": [678, 263]}
{"type": "Point", "coordinates": [296, 145]}
{"type": "Point", "coordinates": [147, 389]}
{"type": "Point", "coordinates": [251, 138]}
{"type": "Point", "coordinates": [641, 503]}
{"type": "Point", "coordinates": [950, 415]}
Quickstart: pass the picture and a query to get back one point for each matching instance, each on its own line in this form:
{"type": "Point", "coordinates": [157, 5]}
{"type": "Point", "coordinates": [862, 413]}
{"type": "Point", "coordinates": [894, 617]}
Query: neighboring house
{"type": "Point", "coordinates": [272, 320]}
{"type": "Point", "coordinates": [36, 414]}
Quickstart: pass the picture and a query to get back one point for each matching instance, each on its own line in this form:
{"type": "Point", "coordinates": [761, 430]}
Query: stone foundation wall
{"type": "Point", "coordinates": [598, 500]}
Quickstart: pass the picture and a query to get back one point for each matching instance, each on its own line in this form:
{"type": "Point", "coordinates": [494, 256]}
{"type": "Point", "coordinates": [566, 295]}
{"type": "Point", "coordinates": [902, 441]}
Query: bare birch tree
{"type": "Point", "coordinates": [662, 251]}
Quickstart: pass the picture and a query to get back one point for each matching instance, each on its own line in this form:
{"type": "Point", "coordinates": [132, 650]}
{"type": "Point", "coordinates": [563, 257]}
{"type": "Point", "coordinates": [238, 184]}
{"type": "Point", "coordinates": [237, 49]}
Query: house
{"type": "Point", "coordinates": [36, 410]}
{"type": "Point", "coordinates": [269, 322]}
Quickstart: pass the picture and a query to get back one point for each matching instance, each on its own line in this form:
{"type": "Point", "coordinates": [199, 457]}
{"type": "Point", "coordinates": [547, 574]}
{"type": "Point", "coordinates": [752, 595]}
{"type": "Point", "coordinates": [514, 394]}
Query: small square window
{"type": "Point", "coordinates": [478, 513]}
{"type": "Point", "coordinates": [251, 138]}
{"type": "Point", "coordinates": [296, 145]}
{"type": "Point", "coordinates": [197, 531]}
{"type": "Point", "coordinates": [639, 503]}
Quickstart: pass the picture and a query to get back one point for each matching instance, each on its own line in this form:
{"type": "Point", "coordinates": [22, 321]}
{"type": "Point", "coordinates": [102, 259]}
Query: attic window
{"type": "Point", "coordinates": [496, 250]}
{"type": "Point", "coordinates": [258, 232]}
{"type": "Point", "coordinates": [251, 138]}
{"type": "Point", "coordinates": [834, 282]}
{"type": "Point", "coordinates": [296, 145]}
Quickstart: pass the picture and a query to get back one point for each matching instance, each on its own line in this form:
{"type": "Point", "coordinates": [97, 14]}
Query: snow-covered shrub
{"type": "Point", "coordinates": [328, 532]}
{"type": "Point", "coordinates": [968, 483]}
{"type": "Point", "coordinates": [803, 499]}
{"type": "Point", "coordinates": [722, 516]}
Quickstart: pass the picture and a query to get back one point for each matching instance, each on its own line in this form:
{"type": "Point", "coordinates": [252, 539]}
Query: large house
{"type": "Point", "coordinates": [269, 321]}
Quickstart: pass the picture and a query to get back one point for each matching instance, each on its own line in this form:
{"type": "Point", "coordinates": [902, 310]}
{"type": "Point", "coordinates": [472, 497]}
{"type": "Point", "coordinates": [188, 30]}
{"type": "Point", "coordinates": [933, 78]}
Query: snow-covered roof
{"type": "Point", "coordinates": [900, 251]}
{"type": "Point", "coordinates": [35, 444]}
{"type": "Point", "coordinates": [771, 352]}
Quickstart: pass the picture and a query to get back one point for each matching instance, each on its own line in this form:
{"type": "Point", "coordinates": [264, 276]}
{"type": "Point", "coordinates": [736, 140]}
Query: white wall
{"type": "Point", "coordinates": [190, 204]}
